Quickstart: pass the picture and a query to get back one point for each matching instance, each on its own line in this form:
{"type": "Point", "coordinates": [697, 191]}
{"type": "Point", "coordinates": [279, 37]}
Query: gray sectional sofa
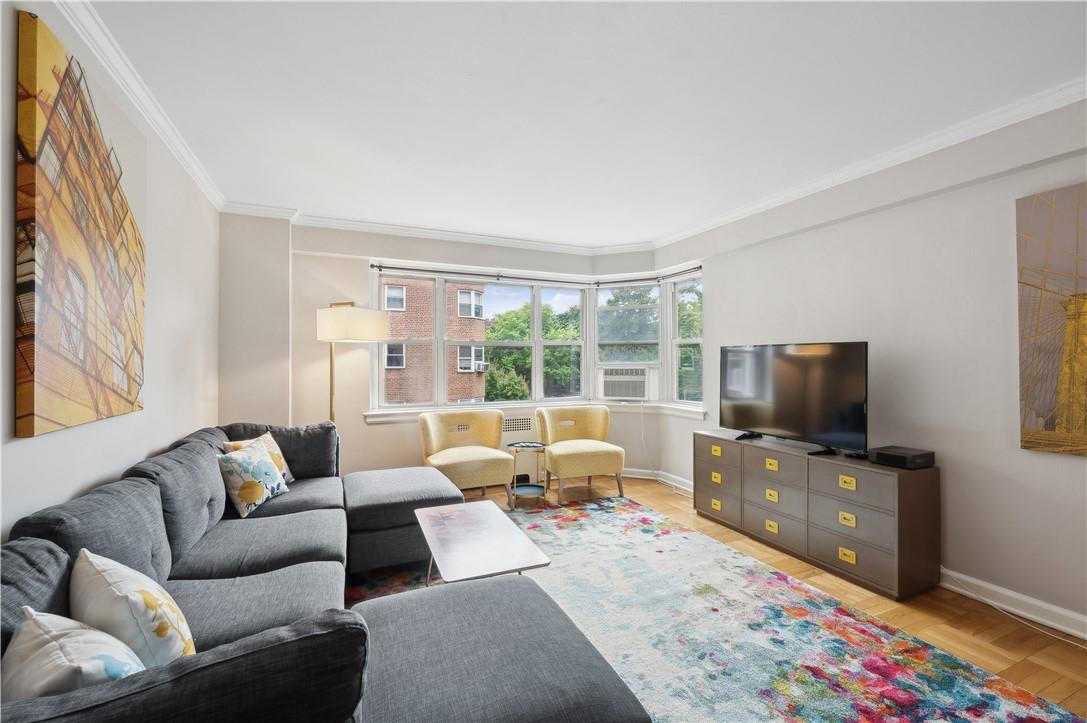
{"type": "Point", "coordinates": [264, 599]}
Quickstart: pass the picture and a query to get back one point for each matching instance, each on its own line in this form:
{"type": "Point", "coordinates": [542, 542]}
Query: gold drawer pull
{"type": "Point", "coordinates": [771, 526]}
{"type": "Point", "coordinates": [715, 504]}
{"type": "Point", "coordinates": [847, 483]}
{"type": "Point", "coordinates": [715, 450]}
{"type": "Point", "coordinates": [716, 477]}
{"type": "Point", "coordinates": [844, 518]}
{"type": "Point", "coordinates": [771, 495]}
{"type": "Point", "coordinates": [771, 464]}
{"type": "Point", "coordinates": [847, 555]}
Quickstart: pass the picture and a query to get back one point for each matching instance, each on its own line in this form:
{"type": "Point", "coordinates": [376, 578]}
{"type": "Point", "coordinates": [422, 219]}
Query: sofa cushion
{"type": "Point", "coordinates": [311, 451]}
{"type": "Point", "coordinates": [247, 547]}
{"type": "Point", "coordinates": [211, 436]}
{"type": "Point", "coordinates": [33, 572]}
{"type": "Point", "coordinates": [383, 498]}
{"type": "Point", "coordinates": [313, 493]}
{"type": "Point", "coordinates": [428, 660]}
{"type": "Point", "coordinates": [222, 611]}
{"type": "Point", "coordinates": [192, 492]}
{"type": "Point", "coordinates": [120, 520]}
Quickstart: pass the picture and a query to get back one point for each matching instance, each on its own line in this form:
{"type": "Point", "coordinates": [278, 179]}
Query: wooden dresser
{"type": "Point", "coordinates": [874, 525]}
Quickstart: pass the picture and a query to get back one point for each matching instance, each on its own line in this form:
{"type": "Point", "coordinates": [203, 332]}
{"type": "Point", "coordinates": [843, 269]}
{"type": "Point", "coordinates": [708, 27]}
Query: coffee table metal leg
{"type": "Point", "coordinates": [429, 567]}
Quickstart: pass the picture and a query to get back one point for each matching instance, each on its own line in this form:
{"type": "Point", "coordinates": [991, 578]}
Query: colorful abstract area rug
{"type": "Point", "coordinates": [703, 632]}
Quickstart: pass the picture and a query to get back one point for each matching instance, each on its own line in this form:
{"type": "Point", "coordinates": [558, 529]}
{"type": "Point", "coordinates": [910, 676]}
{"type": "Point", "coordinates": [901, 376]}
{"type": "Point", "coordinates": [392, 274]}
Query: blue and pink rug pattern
{"type": "Point", "coordinates": [703, 632]}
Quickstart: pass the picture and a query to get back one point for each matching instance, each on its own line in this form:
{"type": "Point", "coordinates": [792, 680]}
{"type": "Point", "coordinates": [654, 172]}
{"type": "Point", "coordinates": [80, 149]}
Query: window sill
{"type": "Point", "coordinates": [411, 414]}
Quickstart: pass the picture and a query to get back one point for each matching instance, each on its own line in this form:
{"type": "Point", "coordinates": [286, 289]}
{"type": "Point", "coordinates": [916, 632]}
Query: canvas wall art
{"type": "Point", "coordinates": [79, 254]}
{"type": "Point", "coordinates": [1051, 231]}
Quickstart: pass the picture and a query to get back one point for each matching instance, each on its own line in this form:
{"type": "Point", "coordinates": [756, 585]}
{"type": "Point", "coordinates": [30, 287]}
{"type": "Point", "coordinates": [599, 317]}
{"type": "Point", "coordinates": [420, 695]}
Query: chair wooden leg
{"type": "Point", "coordinates": [561, 484]}
{"type": "Point", "coordinates": [547, 481]}
{"type": "Point", "coordinates": [590, 480]}
{"type": "Point", "coordinates": [509, 496]}
{"type": "Point", "coordinates": [483, 491]}
{"type": "Point", "coordinates": [619, 481]}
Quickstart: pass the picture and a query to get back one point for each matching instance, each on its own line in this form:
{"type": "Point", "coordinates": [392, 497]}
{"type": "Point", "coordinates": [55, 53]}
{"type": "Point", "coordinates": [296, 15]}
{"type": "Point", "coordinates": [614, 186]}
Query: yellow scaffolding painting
{"type": "Point", "coordinates": [1051, 231]}
{"type": "Point", "coordinates": [79, 255]}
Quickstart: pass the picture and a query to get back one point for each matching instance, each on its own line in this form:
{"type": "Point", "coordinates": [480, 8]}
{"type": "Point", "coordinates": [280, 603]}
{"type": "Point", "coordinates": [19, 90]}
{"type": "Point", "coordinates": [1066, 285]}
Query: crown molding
{"type": "Point", "coordinates": [438, 234]}
{"type": "Point", "coordinates": [257, 209]}
{"type": "Point", "coordinates": [90, 27]}
{"type": "Point", "coordinates": [1033, 105]}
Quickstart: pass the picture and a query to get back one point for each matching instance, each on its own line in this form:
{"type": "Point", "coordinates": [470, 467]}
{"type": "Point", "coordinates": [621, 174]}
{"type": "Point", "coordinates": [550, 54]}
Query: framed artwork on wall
{"type": "Point", "coordinates": [79, 341]}
{"type": "Point", "coordinates": [1051, 233]}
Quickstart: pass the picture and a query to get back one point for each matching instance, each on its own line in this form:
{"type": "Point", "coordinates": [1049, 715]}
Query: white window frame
{"type": "Point", "coordinates": [403, 299]}
{"type": "Point", "coordinates": [475, 309]}
{"type": "Point", "coordinates": [445, 282]}
{"type": "Point", "coordinates": [677, 341]}
{"type": "Point", "coordinates": [403, 356]}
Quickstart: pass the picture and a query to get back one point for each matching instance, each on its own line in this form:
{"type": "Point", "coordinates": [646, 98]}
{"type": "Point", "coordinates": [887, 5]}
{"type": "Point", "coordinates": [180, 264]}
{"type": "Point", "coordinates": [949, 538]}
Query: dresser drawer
{"type": "Point", "coordinates": [853, 484]}
{"type": "Point", "coordinates": [786, 499]}
{"type": "Point", "coordinates": [860, 523]}
{"type": "Point", "coordinates": [716, 449]}
{"type": "Point", "coordinates": [768, 464]}
{"type": "Point", "coordinates": [716, 477]}
{"type": "Point", "coordinates": [713, 503]}
{"type": "Point", "coordinates": [852, 556]}
{"type": "Point", "coordinates": [775, 527]}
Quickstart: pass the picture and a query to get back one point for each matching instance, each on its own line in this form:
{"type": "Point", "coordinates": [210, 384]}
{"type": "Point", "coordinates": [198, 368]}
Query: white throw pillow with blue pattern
{"type": "Point", "coordinates": [50, 654]}
{"type": "Point", "coordinates": [251, 477]}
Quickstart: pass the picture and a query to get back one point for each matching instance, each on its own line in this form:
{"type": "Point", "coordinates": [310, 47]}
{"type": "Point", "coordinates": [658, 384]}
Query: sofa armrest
{"type": "Point", "coordinates": [311, 451]}
{"type": "Point", "coordinates": [309, 670]}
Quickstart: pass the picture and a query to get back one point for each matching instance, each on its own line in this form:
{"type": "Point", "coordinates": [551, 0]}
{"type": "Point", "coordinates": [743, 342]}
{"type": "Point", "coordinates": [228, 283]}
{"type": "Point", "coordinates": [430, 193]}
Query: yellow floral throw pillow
{"type": "Point", "coordinates": [131, 607]}
{"type": "Point", "coordinates": [274, 451]}
{"type": "Point", "coordinates": [251, 477]}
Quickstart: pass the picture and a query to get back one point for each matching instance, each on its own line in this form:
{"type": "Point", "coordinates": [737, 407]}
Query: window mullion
{"type": "Point", "coordinates": [440, 351]}
{"type": "Point", "coordinates": [537, 390]}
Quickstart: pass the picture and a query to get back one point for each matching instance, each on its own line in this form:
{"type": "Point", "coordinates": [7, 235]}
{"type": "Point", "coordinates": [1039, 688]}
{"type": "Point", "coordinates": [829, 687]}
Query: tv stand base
{"type": "Point", "coordinates": [829, 451]}
{"type": "Point", "coordinates": [750, 435]}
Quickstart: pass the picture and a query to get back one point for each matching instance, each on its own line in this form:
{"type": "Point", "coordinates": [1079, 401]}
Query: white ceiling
{"type": "Point", "coordinates": [593, 125]}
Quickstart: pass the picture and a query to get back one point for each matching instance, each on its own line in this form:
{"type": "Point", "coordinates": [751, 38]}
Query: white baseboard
{"type": "Point", "coordinates": [683, 486]}
{"type": "Point", "coordinates": [1063, 619]}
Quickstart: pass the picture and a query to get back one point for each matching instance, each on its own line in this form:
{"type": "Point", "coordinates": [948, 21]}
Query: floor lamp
{"type": "Point", "coordinates": [346, 322]}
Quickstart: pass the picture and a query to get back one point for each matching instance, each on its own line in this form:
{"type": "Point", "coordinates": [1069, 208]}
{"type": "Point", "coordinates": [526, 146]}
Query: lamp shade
{"type": "Point", "coordinates": [352, 323]}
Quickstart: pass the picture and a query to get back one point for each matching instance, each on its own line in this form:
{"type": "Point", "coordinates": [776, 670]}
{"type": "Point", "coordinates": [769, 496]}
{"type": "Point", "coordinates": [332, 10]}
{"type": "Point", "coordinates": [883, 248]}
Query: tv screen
{"type": "Point", "coordinates": [814, 393]}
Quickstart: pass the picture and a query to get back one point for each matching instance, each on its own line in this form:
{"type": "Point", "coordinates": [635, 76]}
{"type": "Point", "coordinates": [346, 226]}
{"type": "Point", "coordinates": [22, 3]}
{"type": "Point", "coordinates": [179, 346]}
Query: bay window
{"type": "Point", "coordinates": [687, 342]}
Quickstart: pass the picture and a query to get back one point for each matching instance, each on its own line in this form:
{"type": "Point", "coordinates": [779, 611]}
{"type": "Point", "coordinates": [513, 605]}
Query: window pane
{"type": "Point", "coordinates": [394, 356]}
{"type": "Point", "coordinates": [488, 373]}
{"type": "Point", "coordinates": [561, 311]}
{"type": "Point", "coordinates": [414, 384]}
{"type": "Point", "coordinates": [493, 312]}
{"type": "Point", "coordinates": [689, 371]}
{"type": "Point", "coordinates": [620, 353]}
{"type": "Point", "coordinates": [689, 309]}
{"type": "Point", "coordinates": [562, 371]}
{"type": "Point", "coordinates": [509, 373]}
{"type": "Point", "coordinates": [417, 321]}
{"type": "Point", "coordinates": [629, 313]}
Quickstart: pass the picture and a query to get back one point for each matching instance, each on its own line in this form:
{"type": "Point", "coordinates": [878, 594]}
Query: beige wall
{"type": "Point", "coordinates": [927, 274]}
{"type": "Point", "coordinates": [181, 231]}
{"type": "Point", "coordinates": [254, 320]}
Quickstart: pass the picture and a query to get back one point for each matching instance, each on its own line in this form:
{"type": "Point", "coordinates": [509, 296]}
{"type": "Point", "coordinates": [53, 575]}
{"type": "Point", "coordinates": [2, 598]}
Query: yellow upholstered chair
{"type": "Point", "coordinates": [575, 444]}
{"type": "Point", "coordinates": [464, 446]}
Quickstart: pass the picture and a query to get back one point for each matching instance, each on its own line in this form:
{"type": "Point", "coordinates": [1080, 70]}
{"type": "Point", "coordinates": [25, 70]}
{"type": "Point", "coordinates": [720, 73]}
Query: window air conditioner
{"type": "Point", "coordinates": [628, 382]}
{"type": "Point", "coordinates": [480, 366]}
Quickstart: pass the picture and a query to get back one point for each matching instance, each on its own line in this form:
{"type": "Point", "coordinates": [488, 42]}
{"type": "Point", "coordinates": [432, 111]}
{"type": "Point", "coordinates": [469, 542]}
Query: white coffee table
{"type": "Point", "coordinates": [471, 540]}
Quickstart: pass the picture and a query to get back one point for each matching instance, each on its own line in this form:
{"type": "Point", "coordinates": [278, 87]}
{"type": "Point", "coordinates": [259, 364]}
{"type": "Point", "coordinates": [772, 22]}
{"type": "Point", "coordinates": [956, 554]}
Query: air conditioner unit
{"type": "Point", "coordinates": [480, 366]}
{"type": "Point", "coordinates": [628, 382]}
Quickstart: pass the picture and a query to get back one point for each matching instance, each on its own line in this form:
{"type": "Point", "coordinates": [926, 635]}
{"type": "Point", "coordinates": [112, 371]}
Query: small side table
{"type": "Point", "coordinates": [529, 490]}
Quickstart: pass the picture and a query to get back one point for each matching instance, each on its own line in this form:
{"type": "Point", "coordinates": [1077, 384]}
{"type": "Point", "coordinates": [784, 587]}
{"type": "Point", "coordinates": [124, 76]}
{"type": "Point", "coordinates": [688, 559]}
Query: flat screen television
{"type": "Point", "coordinates": [815, 393]}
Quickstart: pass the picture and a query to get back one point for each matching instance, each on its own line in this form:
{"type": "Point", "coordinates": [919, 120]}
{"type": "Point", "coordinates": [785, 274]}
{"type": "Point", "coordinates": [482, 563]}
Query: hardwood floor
{"type": "Point", "coordinates": [972, 630]}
